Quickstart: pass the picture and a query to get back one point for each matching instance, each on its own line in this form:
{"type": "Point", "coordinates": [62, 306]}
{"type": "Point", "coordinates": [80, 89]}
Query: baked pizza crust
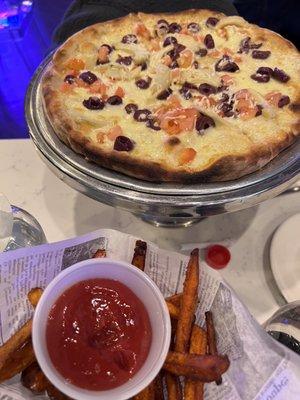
{"type": "Point", "coordinates": [224, 168]}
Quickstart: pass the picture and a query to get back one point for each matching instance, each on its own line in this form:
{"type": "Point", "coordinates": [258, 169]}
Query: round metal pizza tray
{"type": "Point", "coordinates": [167, 202]}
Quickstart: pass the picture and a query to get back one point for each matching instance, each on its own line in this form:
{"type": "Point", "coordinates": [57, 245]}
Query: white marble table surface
{"type": "Point", "coordinates": [64, 213]}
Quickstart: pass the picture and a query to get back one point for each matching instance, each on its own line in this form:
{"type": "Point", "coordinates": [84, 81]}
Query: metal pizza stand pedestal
{"type": "Point", "coordinates": [162, 204]}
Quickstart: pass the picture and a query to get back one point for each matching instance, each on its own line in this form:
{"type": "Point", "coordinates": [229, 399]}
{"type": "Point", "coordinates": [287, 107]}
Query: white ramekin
{"type": "Point", "coordinates": [146, 291]}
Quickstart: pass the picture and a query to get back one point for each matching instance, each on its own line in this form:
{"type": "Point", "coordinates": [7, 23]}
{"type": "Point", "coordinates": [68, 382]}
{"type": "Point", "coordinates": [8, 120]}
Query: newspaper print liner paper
{"type": "Point", "coordinates": [261, 368]}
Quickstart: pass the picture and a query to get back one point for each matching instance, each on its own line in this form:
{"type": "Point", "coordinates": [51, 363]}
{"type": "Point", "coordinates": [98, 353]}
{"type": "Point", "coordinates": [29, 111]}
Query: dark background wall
{"type": "Point", "coordinates": [19, 58]}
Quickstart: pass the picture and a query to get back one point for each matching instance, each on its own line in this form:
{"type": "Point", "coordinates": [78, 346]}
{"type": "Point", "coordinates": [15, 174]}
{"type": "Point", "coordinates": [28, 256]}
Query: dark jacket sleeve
{"type": "Point", "coordinates": [86, 12]}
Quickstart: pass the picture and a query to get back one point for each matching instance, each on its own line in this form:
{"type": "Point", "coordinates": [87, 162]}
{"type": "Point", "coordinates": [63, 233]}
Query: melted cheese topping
{"type": "Point", "coordinates": [232, 135]}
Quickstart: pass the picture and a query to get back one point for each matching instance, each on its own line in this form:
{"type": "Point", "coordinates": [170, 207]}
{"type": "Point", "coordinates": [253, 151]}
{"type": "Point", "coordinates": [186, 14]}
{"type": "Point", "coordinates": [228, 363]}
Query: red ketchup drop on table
{"type": "Point", "coordinates": [98, 334]}
{"type": "Point", "coordinates": [217, 256]}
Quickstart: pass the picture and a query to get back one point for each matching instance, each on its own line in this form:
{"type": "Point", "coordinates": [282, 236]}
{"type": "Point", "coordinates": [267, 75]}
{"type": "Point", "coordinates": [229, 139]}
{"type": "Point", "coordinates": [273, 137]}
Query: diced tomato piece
{"type": "Point", "coordinates": [114, 132]}
{"type": "Point", "coordinates": [166, 60]}
{"type": "Point", "coordinates": [243, 104]}
{"type": "Point", "coordinates": [237, 59]}
{"type": "Point", "coordinates": [100, 137]}
{"type": "Point", "coordinates": [205, 102]}
{"type": "Point", "coordinates": [120, 92]}
{"type": "Point", "coordinates": [155, 45]}
{"type": "Point", "coordinates": [81, 83]}
{"type": "Point", "coordinates": [188, 119]}
{"type": "Point", "coordinates": [215, 54]}
{"type": "Point", "coordinates": [187, 155]}
{"type": "Point", "coordinates": [186, 58]}
{"type": "Point", "coordinates": [227, 80]}
{"type": "Point", "coordinates": [174, 101]}
{"type": "Point", "coordinates": [273, 98]}
{"type": "Point", "coordinates": [199, 38]}
{"type": "Point", "coordinates": [66, 87]}
{"type": "Point", "coordinates": [184, 31]}
{"type": "Point", "coordinates": [76, 64]}
{"type": "Point", "coordinates": [248, 113]}
{"type": "Point", "coordinates": [227, 51]}
{"type": "Point", "coordinates": [72, 72]}
{"type": "Point", "coordinates": [95, 87]}
{"type": "Point", "coordinates": [103, 53]}
{"type": "Point", "coordinates": [171, 126]}
{"type": "Point", "coordinates": [141, 30]}
{"type": "Point", "coordinates": [175, 73]}
{"type": "Point", "coordinates": [243, 94]}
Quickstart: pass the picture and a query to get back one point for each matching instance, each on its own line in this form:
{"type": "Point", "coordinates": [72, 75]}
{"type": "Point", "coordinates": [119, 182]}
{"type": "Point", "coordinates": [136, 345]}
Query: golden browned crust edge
{"type": "Point", "coordinates": [229, 167]}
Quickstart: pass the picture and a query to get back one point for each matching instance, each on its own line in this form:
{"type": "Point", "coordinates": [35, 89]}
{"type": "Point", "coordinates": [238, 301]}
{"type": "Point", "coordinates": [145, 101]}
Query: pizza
{"type": "Point", "coordinates": [194, 96]}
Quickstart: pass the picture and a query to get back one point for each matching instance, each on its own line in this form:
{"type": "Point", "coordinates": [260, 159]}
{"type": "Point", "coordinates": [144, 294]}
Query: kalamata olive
{"type": "Point", "coordinates": [206, 89]}
{"type": "Point", "coordinates": [143, 66]}
{"type": "Point", "coordinates": [283, 101]}
{"type": "Point", "coordinates": [225, 64]}
{"type": "Point", "coordinates": [153, 124]}
{"type": "Point", "coordinates": [162, 27]}
{"type": "Point", "coordinates": [226, 108]}
{"type": "Point", "coordinates": [162, 22]}
{"type": "Point", "coordinates": [127, 60]}
{"type": "Point", "coordinates": [175, 52]}
{"type": "Point", "coordinates": [204, 122]}
{"type": "Point", "coordinates": [173, 141]}
{"type": "Point", "coordinates": [114, 100]}
{"type": "Point", "coordinates": [88, 77]}
{"type": "Point", "coordinates": [123, 143]}
{"type": "Point", "coordinates": [255, 45]}
{"type": "Point", "coordinates": [174, 64]}
{"type": "Point", "coordinates": [174, 27]}
{"type": "Point", "coordinates": [142, 115]}
{"type": "Point", "coordinates": [225, 97]}
{"type": "Point", "coordinates": [295, 107]}
{"type": "Point", "coordinates": [110, 48]}
{"type": "Point", "coordinates": [209, 41]}
{"type": "Point", "coordinates": [101, 62]}
{"type": "Point", "coordinates": [246, 45]}
{"type": "Point", "coordinates": [259, 110]}
{"type": "Point", "coordinates": [260, 78]}
{"type": "Point", "coordinates": [179, 47]}
{"type": "Point", "coordinates": [185, 93]}
{"type": "Point", "coordinates": [129, 39]}
{"type": "Point", "coordinates": [169, 40]}
{"type": "Point", "coordinates": [193, 27]}
{"type": "Point", "coordinates": [280, 75]}
{"type": "Point", "coordinates": [93, 103]}
{"type": "Point", "coordinates": [212, 21]}
{"type": "Point", "coordinates": [221, 88]}
{"type": "Point", "coordinates": [186, 88]}
{"type": "Point", "coordinates": [70, 79]}
{"type": "Point", "coordinates": [164, 94]}
{"type": "Point", "coordinates": [260, 54]}
{"type": "Point", "coordinates": [143, 83]}
{"type": "Point", "coordinates": [189, 85]}
{"type": "Point", "coordinates": [196, 64]}
{"type": "Point", "coordinates": [130, 108]}
{"type": "Point", "coordinates": [264, 71]}
{"type": "Point", "coordinates": [201, 52]}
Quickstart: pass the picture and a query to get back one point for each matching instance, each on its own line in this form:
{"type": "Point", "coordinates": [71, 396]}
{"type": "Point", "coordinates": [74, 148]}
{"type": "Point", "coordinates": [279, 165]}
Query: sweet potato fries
{"type": "Point", "coordinates": [193, 358]}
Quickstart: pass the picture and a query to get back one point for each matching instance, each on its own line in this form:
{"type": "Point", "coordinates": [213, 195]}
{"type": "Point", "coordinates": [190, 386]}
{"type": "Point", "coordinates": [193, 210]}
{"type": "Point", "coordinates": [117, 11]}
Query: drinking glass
{"type": "Point", "coordinates": [18, 228]}
{"type": "Point", "coordinates": [284, 325]}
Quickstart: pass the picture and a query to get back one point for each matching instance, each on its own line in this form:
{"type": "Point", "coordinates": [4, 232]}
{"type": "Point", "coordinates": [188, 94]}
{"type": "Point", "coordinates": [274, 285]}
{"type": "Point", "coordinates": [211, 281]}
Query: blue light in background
{"type": "Point", "coordinates": [25, 38]}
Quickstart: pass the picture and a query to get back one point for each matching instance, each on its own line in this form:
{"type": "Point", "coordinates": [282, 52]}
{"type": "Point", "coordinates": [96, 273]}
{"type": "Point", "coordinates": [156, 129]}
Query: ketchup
{"type": "Point", "coordinates": [98, 334]}
{"type": "Point", "coordinates": [217, 256]}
